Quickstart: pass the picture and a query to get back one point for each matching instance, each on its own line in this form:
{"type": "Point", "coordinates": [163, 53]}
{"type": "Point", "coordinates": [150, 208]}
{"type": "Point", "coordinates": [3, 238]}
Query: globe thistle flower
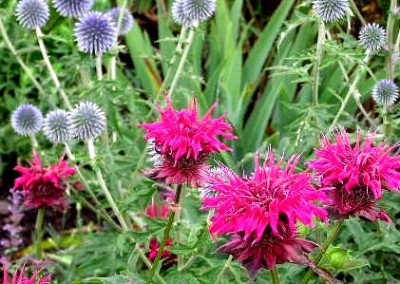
{"type": "Point", "coordinates": [199, 10]}
{"type": "Point", "coordinates": [179, 14]}
{"type": "Point", "coordinates": [95, 33]}
{"type": "Point", "coordinates": [20, 278]}
{"type": "Point", "coordinates": [32, 14]}
{"type": "Point", "coordinates": [358, 173]}
{"type": "Point", "coordinates": [88, 120]}
{"type": "Point", "coordinates": [126, 21]}
{"type": "Point", "coordinates": [72, 8]}
{"type": "Point", "coordinates": [331, 10]}
{"type": "Point", "coordinates": [183, 143]}
{"type": "Point", "coordinates": [26, 120]}
{"type": "Point", "coordinates": [44, 187]}
{"type": "Point", "coordinates": [385, 92]}
{"type": "Point", "coordinates": [372, 37]}
{"type": "Point", "coordinates": [260, 212]}
{"type": "Point", "coordinates": [57, 126]}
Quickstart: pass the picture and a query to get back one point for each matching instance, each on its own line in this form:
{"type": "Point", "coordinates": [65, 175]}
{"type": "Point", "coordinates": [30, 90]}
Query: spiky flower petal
{"type": "Point", "coordinates": [44, 187]}
{"type": "Point", "coordinates": [73, 8]}
{"type": "Point", "coordinates": [27, 119]}
{"type": "Point", "coordinates": [199, 10]}
{"type": "Point", "coordinates": [331, 10]}
{"type": "Point", "coordinates": [358, 173]}
{"type": "Point", "coordinates": [95, 33]}
{"type": "Point", "coordinates": [372, 37]}
{"type": "Point", "coordinates": [126, 20]}
{"type": "Point", "coordinates": [88, 120]}
{"type": "Point", "coordinates": [183, 143]}
{"type": "Point", "coordinates": [32, 14]}
{"type": "Point", "coordinates": [385, 92]}
{"type": "Point", "coordinates": [19, 277]}
{"type": "Point", "coordinates": [261, 212]}
{"type": "Point", "coordinates": [57, 126]}
{"type": "Point", "coordinates": [179, 14]}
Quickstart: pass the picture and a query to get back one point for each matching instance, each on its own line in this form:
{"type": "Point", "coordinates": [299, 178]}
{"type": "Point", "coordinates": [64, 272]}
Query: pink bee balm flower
{"type": "Point", "coordinates": [20, 278]}
{"type": "Point", "coordinates": [182, 143]}
{"type": "Point", "coordinates": [261, 212]}
{"type": "Point", "coordinates": [358, 173]}
{"type": "Point", "coordinates": [44, 187]}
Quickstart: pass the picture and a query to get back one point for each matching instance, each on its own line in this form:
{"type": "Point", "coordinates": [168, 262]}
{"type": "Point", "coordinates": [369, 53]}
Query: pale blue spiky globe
{"type": "Point", "coordinates": [72, 8]}
{"type": "Point", "coordinates": [26, 119]}
{"type": "Point", "coordinates": [126, 20]}
{"type": "Point", "coordinates": [331, 10]}
{"type": "Point", "coordinates": [88, 120]}
{"type": "Point", "coordinates": [57, 126]}
{"type": "Point", "coordinates": [385, 92]}
{"type": "Point", "coordinates": [372, 37]}
{"type": "Point", "coordinates": [32, 14]}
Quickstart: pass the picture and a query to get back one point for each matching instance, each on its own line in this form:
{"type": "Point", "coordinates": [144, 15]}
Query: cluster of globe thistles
{"type": "Point", "coordinates": [85, 121]}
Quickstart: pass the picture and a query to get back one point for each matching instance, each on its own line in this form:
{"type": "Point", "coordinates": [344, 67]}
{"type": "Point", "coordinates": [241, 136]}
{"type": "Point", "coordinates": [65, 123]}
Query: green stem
{"type": "Point", "coordinates": [357, 12]}
{"type": "Point", "coordinates": [387, 129]}
{"type": "Point", "coordinates": [390, 37]}
{"type": "Point", "coordinates": [350, 93]}
{"type": "Point", "coordinates": [35, 144]}
{"type": "Point", "coordinates": [103, 186]}
{"type": "Point", "coordinates": [99, 67]}
{"type": "Point", "coordinates": [332, 236]}
{"type": "Point", "coordinates": [39, 232]}
{"type": "Point", "coordinates": [274, 276]}
{"type": "Point", "coordinates": [50, 68]}
{"type": "Point", "coordinates": [182, 62]}
{"type": "Point", "coordinates": [166, 235]}
{"type": "Point", "coordinates": [14, 53]}
{"type": "Point", "coordinates": [221, 274]}
{"type": "Point", "coordinates": [320, 44]}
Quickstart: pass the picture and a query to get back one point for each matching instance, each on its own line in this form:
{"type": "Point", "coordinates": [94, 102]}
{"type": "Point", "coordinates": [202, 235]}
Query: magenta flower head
{"type": "Point", "coordinates": [95, 33]}
{"type": "Point", "coordinates": [261, 211]}
{"type": "Point", "coordinates": [358, 173]}
{"type": "Point", "coordinates": [182, 143]}
{"type": "Point", "coordinates": [44, 187]}
{"type": "Point", "coordinates": [19, 277]}
{"type": "Point", "coordinates": [126, 19]}
{"type": "Point", "coordinates": [73, 8]}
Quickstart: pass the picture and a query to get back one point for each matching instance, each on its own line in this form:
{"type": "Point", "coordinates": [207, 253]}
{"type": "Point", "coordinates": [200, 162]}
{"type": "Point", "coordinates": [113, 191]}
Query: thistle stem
{"type": "Point", "coordinates": [226, 265]}
{"type": "Point", "coordinates": [320, 44]}
{"type": "Point", "coordinates": [165, 236]}
{"type": "Point", "coordinates": [331, 237]}
{"type": "Point", "coordinates": [14, 52]}
{"type": "Point", "coordinates": [39, 232]}
{"type": "Point", "coordinates": [99, 67]}
{"type": "Point", "coordinates": [34, 142]}
{"type": "Point", "coordinates": [390, 37]}
{"type": "Point", "coordinates": [102, 183]}
{"type": "Point", "coordinates": [182, 61]}
{"type": "Point", "coordinates": [274, 276]}
{"type": "Point", "coordinates": [50, 68]}
{"type": "Point", "coordinates": [350, 93]}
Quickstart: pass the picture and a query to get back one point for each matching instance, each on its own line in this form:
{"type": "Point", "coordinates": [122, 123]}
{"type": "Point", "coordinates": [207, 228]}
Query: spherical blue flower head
{"type": "Point", "coordinates": [73, 8]}
{"type": "Point", "coordinates": [32, 14]}
{"type": "Point", "coordinates": [88, 120]}
{"type": "Point", "coordinates": [199, 10]}
{"type": "Point", "coordinates": [27, 120]}
{"type": "Point", "coordinates": [331, 10]}
{"type": "Point", "coordinates": [57, 126]}
{"type": "Point", "coordinates": [179, 14]}
{"type": "Point", "coordinates": [373, 37]}
{"type": "Point", "coordinates": [95, 33]}
{"type": "Point", "coordinates": [385, 92]}
{"type": "Point", "coordinates": [126, 21]}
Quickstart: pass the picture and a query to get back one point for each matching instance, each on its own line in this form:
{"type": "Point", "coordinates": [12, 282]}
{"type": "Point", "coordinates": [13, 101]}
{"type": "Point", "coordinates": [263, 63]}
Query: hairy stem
{"type": "Point", "coordinates": [14, 53]}
{"type": "Point", "coordinates": [320, 44]}
{"type": "Point", "coordinates": [332, 236]}
{"type": "Point", "coordinates": [50, 68]}
{"type": "Point", "coordinates": [221, 274]}
{"type": "Point", "coordinates": [390, 38]}
{"type": "Point", "coordinates": [103, 186]}
{"type": "Point", "coordinates": [274, 276]}
{"type": "Point", "coordinates": [165, 236]}
{"type": "Point", "coordinates": [99, 67]}
{"type": "Point", "coordinates": [39, 232]}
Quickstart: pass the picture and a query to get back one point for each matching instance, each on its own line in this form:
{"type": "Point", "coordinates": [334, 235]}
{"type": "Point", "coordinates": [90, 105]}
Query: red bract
{"type": "Point", "coordinates": [359, 173]}
{"type": "Point", "coordinates": [153, 211]}
{"type": "Point", "coordinates": [261, 212]}
{"type": "Point", "coordinates": [20, 278]}
{"type": "Point", "coordinates": [44, 187]}
{"type": "Point", "coordinates": [182, 143]}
